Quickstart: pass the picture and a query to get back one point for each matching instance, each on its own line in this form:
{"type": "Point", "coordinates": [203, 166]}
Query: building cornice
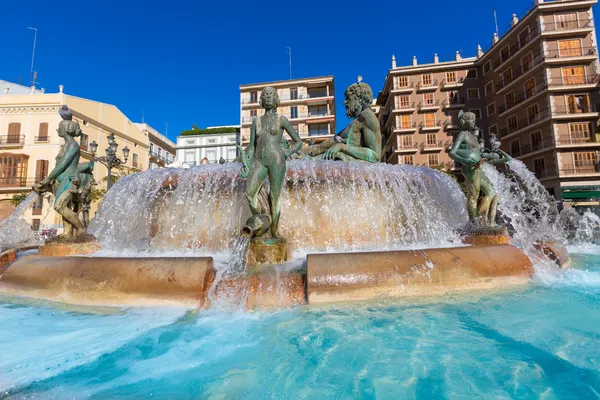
{"type": "Point", "coordinates": [317, 79]}
{"type": "Point", "coordinates": [50, 109]}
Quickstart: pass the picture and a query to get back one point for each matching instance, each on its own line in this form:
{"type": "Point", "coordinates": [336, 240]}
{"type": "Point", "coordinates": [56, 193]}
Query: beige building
{"type": "Point", "coordinates": [162, 149]}
{"type": "Point", "coordinates": [29, 143]}
{"type": "Point", "coordinates": [536, 88]}
{"type": "Point", "coordinates": [308, 103]}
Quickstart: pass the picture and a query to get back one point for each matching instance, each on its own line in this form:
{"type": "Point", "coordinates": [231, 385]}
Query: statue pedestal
{"type": "Point", "coordinates": [264, 251]}
{"type": "Point", "coordinates": [486, 235]}
{"type": "Point", "coordinates": [66, 247]}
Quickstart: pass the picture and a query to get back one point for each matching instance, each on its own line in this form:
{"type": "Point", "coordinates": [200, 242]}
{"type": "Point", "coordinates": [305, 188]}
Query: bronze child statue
{"type": "Point", "coordinates": [264, 158]}
{"type": "Point", "coordinates": [482, 200]}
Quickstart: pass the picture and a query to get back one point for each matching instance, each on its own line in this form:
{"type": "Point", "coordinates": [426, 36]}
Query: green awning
{"type": "Point", "coordinates": [581, 194]}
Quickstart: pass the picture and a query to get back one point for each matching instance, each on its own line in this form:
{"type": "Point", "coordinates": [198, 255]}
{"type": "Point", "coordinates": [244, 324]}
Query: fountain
{"type": "Point", "coordinates": [331, 225]}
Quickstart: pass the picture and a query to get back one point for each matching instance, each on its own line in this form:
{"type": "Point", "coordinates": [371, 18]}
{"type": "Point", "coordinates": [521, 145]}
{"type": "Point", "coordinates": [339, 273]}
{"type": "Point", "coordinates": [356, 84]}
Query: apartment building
{"type": "Point", "coordinates": [211, 144]}
{"type": "Point", "coordinates": [536, 87]}
{"type": "Point", "coordinates": [29, 143]}
{"type": "Point", "coordinates": [309, 105]}
{"type": "Point", "coordinates": [162, 150]}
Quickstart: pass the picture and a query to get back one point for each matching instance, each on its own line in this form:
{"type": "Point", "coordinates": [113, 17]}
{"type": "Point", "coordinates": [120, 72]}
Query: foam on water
{"type": "Point", "coordinates": [14, 229]}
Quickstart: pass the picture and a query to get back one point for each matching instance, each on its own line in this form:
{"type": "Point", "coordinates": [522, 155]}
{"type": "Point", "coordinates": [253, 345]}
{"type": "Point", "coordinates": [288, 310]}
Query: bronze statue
{"type": "Point", "coordinates": [361, 139]}
{"type": "Point", "coordinates": [64, 180]}
{"type": "Point", "coordinates": [265, 157]}
{"type": "Point", "coordinates": [86, 184]}
{"type": "Point", "coordinates": [482, 200]}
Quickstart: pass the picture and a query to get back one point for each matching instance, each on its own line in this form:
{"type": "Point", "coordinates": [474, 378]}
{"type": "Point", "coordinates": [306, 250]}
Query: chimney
{"type": "Point", "coordinates": [32, 91]}
{"type": "Point", "coordinates": [415, 61]}
{"type": "Point", "coordinates": [458, 56]}
{"type": "Point", "coordinates": [436, 59]}
{"type": "Point", "coordinates": [479, 51]}
{"type": "Point", "coordinates": [6, 91]}
{"type": "Point", "coordinates": [495, 40]}
{"type": "Point", "coordinates": [393, 61]}
{"type": "Point", "coordinates": [515, 20]}
{"type": "Point", "coordinates": [60, 88]}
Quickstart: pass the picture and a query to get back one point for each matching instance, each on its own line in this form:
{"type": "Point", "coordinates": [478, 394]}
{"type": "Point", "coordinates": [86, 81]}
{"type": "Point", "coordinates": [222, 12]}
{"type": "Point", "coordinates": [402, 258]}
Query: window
{"type": "Point", "coordinates": [407, 142]}
{"type": "Point", "coordinates": [429, 120]}
{"type": "Point", "coordinates": [473, 93]}
{"type": "Point", "coordinates": [580, 133]}
{"type": "Point", "coordinates": [526, 62]}
{"type": "Point", "coordinates": [566, 21]}
{"type": "Point", "coordinates": [487, 67]}
{"type": "Point", "coordinates": [494, 130]}
{"type": "Point", "coordinates": [507, 76]}
{"type": "Point", "coordinates": [400, 82]}
{"type": "Point", "coordinates": [211, 155]}
{"type": "Point", "coordinates": [404, 121]}
{"type": "Point", "coordinates": [472, 74]}
{"type": "Point", "coordinates": [585, 162]}
{"type": "Point", "coordinates": [13, 168]}
{"type": "Point", "coordinates": [14, 133]}
{"type": "Point", "coordinates": [428, 99]}
{"type": "Point", "coordinates": [294, 112]}
{"type": "Point", "coordinates": [35, 224]}
{"type": "Point", "coordinates": [451, 77]}
{"type": "Point", "coordinates": [515, 147]}
{"type": "Point", "coordinates": [402, 102]}
{"type": "Point", "coordinates": [41, 170]}
{"type": "Point", "coordinates": [504, 54]}
{"type": "Point", "coordinates": [453, 117]}
{"type": "Point", "coordinates": [43, 132]}
{"type": "Point", "coordinates": [477, 113]}
{"type": "Point", "coordinates": [190, 157]}
{"type": "Point", "coordinates": [317, 110]}
{"type": "Point", "coordinates": [489, 88]}
{"type": "Point", "coordinates": [253, 97]}
{"type": "Point", "coordinates": [188, 142]}
{"type": "Point", "coordinates": [231, 154]}
{"type": "Point", "coordinates": [431, 139]}
{"type": "Point", "coordinates": [84, 142]}
{"type": "Point", "coordinates": [573, 75]}
{"type": "Point", "coordinates": [529, 86]}
{"type": "Point", "coordinates": [536, 141]}
{"type": "Point", "coordinates": [512, 123]}
{"type": "Point", "coordinates": [408, 160]}
{"type": "Point", "coordinates": [578, 103]}
{"type": "Point", "coordinates": [427, 80]}
{"type": "Point", "coordinates": [135, 161]}
{"type": "Point", "coordinates": [294, 94]}
{"type": "Point", "coordinates": [539, 167]}
{"type": "Point", "coordinates": [524, 37]}
{"type": "Point", "coordinates": [317, 92]}
{"type": "Point", "coordinates": [432, 160]}
{"type": "Point", "coordinates": [509, 99]}
{"type": "Point", "coordinates": [569, 48]}
{"type": "Point", "coordinates": [533, 113]}
{"type": "Point", "coordinates": [252, 113]}
{"type": "Point", "coordinates": [491, 109]}
{"type": "Point", "coordinates": [318, 129]}
{"type": "Point", "coordinates": [453, 97]}
{"type": "Point", "coordinates": [37, 206]}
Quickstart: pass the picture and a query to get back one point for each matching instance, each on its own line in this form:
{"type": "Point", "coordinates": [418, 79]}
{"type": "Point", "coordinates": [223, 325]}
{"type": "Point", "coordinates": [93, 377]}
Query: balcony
{"type": "Point", "coordinates": [452, 84]}
{"type": "Point", "coordinates": [424, 86]}
{"type": "Point", "coordinates": [589, 169]}
{"type": "Point", "coordinates": [513, 50]}
{"type": "Point", "coordinates": [538, 59]}
{"type": "Point", "coordinates": [524, 123]}
{"type": "Point", "coordinates": [12, 141]}
{"type": "Point", "coordinates": [574, 112]}
{"type": "Point", "coordinates": [455, 102]}
{"type": "Point", "coordinates": [408, 88]}
{"type": "Point", "coordinates": [403, 128]}
{"type": "Point", "coordinates": [558, 55]}
{"type": "Point", "coordinates": [42, 139]}
{"type": "Point", "coordinates": [408, 148]}
{"type": "Point", "coordinates": [18, 182]}
{"type": "Point", "coordinates": [402, 108]}
{"type": "Point", "coordinates": [527, 94]}
{"type": "Point", "coordinates": [560, 28]}
{"type": "Point", "coordinates": [568, 141]}
{"type": "Point", "coordinates": [450, 124]}
{"type": "Point", "coordinates": [429, 106]}
{"type": "Point", "coordinates": [439, 146]}
{"type": "Point", "coordinates": [570, 82]}
{"type": "Point", "coordinates": [430, 125]}
{"type": "Point", "coordinates": [544, 144]}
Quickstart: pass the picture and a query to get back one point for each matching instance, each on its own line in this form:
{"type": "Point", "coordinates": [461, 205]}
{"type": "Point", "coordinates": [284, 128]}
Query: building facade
{"type": "Point", "coordinates": [309, 105]}
{"type": "Point", "coordinates": [536, 88]}
{"type": "Point", "coordinates": [162, 150]}
{"type": "Point", "coordinates": [29, 144]}
{"type": "Point", "coordinates": [192, 149]}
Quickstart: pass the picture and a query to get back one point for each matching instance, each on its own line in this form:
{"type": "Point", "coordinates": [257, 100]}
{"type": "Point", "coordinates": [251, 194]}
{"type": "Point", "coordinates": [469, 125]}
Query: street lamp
{"type": "Point", "coordinates": [110, 160]}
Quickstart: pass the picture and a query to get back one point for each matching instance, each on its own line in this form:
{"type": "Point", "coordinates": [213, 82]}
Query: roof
{"type": "Point", "coordinates": [288, 81]}
{"type": "Point", "coordinates": [15, 88]}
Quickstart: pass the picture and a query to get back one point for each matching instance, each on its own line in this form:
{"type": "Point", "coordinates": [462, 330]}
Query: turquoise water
{"type": "Point", "coordinates": [541, 341]}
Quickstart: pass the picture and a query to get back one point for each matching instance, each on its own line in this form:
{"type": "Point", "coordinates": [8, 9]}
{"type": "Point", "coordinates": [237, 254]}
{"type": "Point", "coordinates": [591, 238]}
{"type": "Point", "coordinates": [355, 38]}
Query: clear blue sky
{"type": "Point", "coordinates": [183, 61]}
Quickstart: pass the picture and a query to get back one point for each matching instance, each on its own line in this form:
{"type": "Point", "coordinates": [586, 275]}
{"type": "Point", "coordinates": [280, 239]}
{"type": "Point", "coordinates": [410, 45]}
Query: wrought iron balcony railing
{"type": "Point", "coordinates": [12, 140]}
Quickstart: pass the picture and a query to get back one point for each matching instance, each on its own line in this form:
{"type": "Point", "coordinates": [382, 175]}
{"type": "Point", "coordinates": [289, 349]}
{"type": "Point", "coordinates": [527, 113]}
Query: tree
{"type": "Point", "coordinates": [18, 198]}
{"type": "Point", "coordinates": [121, 171]}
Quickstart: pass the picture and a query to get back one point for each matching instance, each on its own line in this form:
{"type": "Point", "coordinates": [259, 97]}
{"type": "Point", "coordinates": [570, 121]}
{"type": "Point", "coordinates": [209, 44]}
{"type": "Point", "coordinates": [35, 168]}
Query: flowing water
{"type": "Point", "coordinates": [14, 229]}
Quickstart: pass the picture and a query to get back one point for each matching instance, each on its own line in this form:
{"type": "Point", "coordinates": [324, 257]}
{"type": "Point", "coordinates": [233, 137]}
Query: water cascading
{"type": "Point", "coordinates": [327, 206]}
{"type": "Point", "coordinates": [14, 229]}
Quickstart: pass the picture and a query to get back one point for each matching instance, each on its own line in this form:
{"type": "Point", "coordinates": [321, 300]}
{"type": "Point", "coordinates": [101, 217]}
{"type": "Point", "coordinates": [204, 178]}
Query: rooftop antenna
{"type": "Point", "coordinates": [166, 128]}
{"type": "Point", "coordinates": [496, 21]}
{"type": "Point", "coordinates": [142, 116]}
{"type": "Point", "coordinates": [33, 54]}
{"type": "Point", "coordinates": [289, 50]}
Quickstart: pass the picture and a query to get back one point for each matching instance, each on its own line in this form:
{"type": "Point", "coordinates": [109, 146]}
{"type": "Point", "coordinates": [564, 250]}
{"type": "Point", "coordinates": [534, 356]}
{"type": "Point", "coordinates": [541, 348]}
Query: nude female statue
{"type": "Point", "coordinates": [266, 156]}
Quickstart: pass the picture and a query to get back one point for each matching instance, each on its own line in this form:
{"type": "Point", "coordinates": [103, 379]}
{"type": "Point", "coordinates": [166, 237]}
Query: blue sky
{"type": "Point", "coordinates": [183, 61]}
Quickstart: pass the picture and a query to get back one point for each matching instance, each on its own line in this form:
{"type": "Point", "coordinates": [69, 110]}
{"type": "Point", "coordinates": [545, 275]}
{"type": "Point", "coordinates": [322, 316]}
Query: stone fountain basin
{"type": "Point", "coordinates": [328, 278]}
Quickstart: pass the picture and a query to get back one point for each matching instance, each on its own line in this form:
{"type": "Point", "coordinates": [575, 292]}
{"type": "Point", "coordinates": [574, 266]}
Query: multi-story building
{"type": "Point", "coordinates": [162, 150]}
{"type": "Point", "coordinates": [211, 144]}
{"type": "Point", "coordinates": [536, 87]}
{"type": "Point", "coordinates": [29, 143]}
{"type": "Point", "coordinates": [309, 105]}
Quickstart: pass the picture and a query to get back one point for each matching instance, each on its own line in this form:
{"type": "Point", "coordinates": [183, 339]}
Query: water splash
{"type": "Point", "coordinates": [14, 229]}
{"type": "Point", "coordinates": [239, 257]}
{"type": "Point", "coordinates": [326, 206]}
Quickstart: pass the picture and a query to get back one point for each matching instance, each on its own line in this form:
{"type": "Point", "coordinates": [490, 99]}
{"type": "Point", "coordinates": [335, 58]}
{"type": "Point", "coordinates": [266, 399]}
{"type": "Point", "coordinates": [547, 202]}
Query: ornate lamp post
{"type": "Point", "coordinates": [110, 160]}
